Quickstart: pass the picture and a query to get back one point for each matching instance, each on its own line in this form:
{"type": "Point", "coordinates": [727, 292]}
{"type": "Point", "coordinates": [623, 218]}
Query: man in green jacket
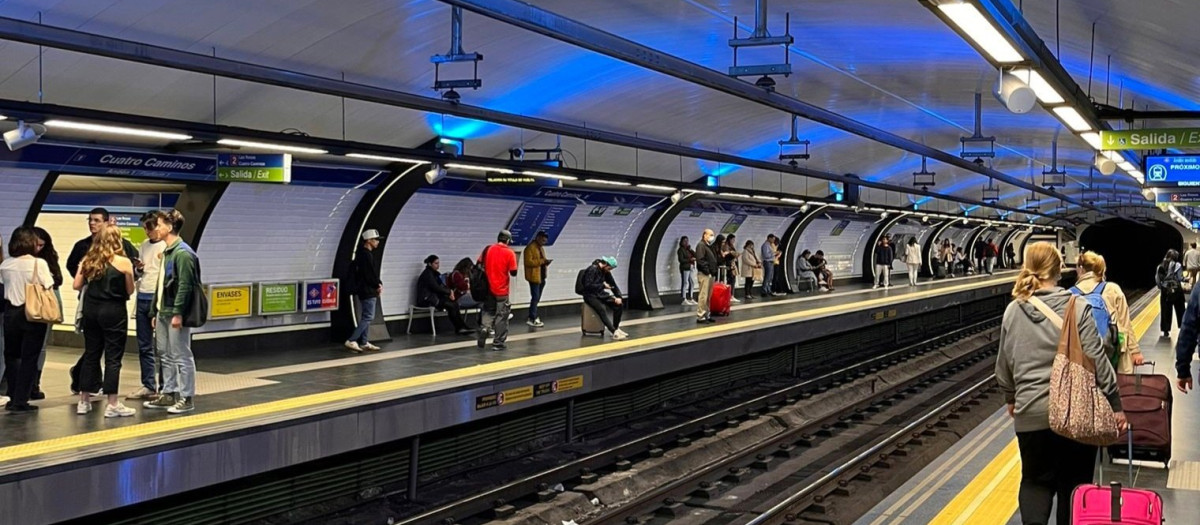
{"type": "Point", "coordinates": [178, 283]}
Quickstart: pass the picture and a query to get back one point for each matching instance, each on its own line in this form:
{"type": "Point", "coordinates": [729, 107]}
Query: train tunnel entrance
{"type": "Point", "coordinates": [1131, 249]}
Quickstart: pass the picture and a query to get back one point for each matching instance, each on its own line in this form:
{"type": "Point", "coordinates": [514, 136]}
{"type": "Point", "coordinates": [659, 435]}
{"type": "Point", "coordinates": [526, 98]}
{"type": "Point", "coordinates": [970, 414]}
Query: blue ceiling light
{"type": "Point", "coordinates": [712, 181]}
{"type": "Point", "coordinates": [459, 128]}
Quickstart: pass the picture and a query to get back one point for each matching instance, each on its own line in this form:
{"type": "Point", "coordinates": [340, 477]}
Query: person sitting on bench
{"type": "Point", "coordinates": [805, 271]}
{"type": "Point", "coordinates": [432, 293]}
{"type": "Point", "coordinates": [600, 292]}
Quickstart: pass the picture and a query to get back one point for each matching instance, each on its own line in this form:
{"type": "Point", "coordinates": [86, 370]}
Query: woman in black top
{"type": "Point", "coordinates": [108, 275]}
{"type": "Point", "coordinates": [46, 252]}
{"type": "Point", "coordinates": [687, 257]}
{"type": "Point", "coordinates": [432, 292]}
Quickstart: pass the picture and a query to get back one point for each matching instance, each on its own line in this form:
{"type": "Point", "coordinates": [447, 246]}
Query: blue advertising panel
{"type": "Point", "coordinates": [1173, 170]}
{"type": "Point", "coordinates": [321, 295]}
{"type": "Point", "coordinates": [532, 217]}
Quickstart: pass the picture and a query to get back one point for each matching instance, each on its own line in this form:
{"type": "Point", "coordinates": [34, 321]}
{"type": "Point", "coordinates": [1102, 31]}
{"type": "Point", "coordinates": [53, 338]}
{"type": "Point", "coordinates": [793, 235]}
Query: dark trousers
{"type": "Point", "coordinates": [104, 327]}
{"type": "Point", "coordinates": [22, 344]}
{"type": "Point", "coordinates": [748, 287]}
{"type": "Point", "coordinates": [601, 305]}
{"type": "Point", "coordinates": [1170, 301]}
{"type": "Point", "coordinates": [1051, 467]}
{"type": "Point", "coordinates": [145, 341]}
{"type": "Point", "coordinates": [535, 297]}
{"type": "Point", "coordinates": [452, 311]}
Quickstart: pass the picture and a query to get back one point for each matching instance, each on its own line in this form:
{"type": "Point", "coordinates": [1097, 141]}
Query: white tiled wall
{"type": "Point", "coordinates": [898, 264]}
{"type": "Point", "coordinates": [684, 224]}
{"type": "Point", "coordinates": [17, 189]}
{"type": "Point", "coordinates": [583, 240]}
{"type": "Point", "coordinates": [65, 229]}
{"type": "Point", "coordinates": [843, 253]}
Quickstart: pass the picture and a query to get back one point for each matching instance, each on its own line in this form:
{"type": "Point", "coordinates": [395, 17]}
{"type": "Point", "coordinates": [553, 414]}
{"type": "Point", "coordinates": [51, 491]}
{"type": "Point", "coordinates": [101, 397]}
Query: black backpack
{"type": "Point", "coordinates": [480, 289]}
{"type": "Point", "coordinates": [1170, 284]}
{"type": "Point", "coordinates": [579, 282]}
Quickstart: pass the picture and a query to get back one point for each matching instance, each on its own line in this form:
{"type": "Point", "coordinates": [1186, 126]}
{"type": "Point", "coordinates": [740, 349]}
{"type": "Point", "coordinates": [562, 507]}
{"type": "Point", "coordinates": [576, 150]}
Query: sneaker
{"type": "Point", "coordinates": [701, 320]}
{"type": "Point", "coordinates": [4, 400]}
{"type": "Point", "coordinates": [778, 294]}
{"type": "Point", "coordinates": [498, 348]}
{"type": "Point", "coordinates": [619, 335]}
{"type": "Point", "coordinates": [736, 300]}
{"type": "Point", "coordinates": [876, 287]}
{"type": "Point", "coordinates": [536, 323]}
{"type": "Point", "coordinates": [510, 316]}
{"type": "Point", "coordinates": [368, 347]}
{"type": "Point", "coordinates": [83, 407]}
{"type": "Point", "coordinates": [353, 347]}
{"type": "Point", "coordinates": [163, 401]}
{"type": "Point", "coordinates": [183, 405]}
{"type": "Point", "coordinates": [481, 338]}
{"type": "Point", "coordinates": [118, 410]}
{"type": "Point", "coordinates": [142, 393]}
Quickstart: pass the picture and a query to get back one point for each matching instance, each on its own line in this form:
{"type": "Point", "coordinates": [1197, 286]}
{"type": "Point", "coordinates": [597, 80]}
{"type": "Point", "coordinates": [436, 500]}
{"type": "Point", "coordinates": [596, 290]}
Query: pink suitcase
{"type": "Point", "coordinates": [1115, 505]}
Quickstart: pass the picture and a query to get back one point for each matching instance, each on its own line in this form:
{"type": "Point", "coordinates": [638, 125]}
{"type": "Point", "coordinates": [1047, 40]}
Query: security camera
{"type": "Point", "coordinates": [435, 174]}
{"type": "Point", "coordinates": [24, 135]}
{"type": "Point", "coordinates": [675, 197]}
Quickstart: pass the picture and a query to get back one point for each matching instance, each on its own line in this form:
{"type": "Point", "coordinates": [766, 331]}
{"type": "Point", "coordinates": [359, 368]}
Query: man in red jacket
{"type": "Point", "coordinates": [500, 264]}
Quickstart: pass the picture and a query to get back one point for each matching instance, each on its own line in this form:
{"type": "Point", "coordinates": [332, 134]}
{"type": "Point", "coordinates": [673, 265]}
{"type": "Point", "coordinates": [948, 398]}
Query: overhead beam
{"type": "Point", "coordinates": [1107, 112]}
{"type": "Point", "coordinates": [100, 45]}
{"type": "Point", "coordinates": [553, 25]}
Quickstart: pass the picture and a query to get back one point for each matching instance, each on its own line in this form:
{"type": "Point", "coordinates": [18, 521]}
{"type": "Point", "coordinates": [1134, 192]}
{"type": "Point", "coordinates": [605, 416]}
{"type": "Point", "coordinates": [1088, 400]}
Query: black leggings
{"type": "Point", "coordinates": [602, 306]}
{"type": "Point", "coordinates": [22, 345]}
{"type": "Point", "coordinates": [749, 287]}
{"type": "Point", "coordinates": [1170, 301]}
{"type": "Point", "coordinates": [1051, 467]}
{"type": "Point", "coordinates": [452, 311]}
{"type": "Point", "coordinates": [105, 324]}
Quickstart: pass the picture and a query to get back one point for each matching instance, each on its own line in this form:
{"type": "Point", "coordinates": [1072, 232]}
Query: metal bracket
{"type": "Point", "coordinates": [924, 178]}
{"type": "Point", "coordinates": [973, 146]}
{"type": "Point", "coordinates": [760, 38]}
{"type": "Point", "coordinates": [791, 155]}
{"type": "Point", "coordinates": [455, 55]}
{"type": "Point", "coordinates": [1054, 177]}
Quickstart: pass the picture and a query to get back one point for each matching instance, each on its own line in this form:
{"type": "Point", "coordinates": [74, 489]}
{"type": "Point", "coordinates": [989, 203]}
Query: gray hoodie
{"type": "Point", "coordinates": [1028, 344]}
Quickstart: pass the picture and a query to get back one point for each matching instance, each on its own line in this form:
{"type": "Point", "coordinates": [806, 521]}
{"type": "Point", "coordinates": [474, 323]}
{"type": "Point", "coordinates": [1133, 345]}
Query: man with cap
{"type": "Point", "coordinates": [601, 294]}
{"type": "Point", "coordinates": [535, 273]}
{"type": "Point", "coordinates": [368, 287]}
{"type": "Point", "coordinates": [500, 265]}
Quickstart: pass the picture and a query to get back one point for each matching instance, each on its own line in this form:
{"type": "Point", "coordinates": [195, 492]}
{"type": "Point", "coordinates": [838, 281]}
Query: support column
{"type": "Point", "coordinates": [791, 237]}
{"type": "Point", "coordinates": [872, 242]}
{"type": "Point", "coordinates": [644, 261]}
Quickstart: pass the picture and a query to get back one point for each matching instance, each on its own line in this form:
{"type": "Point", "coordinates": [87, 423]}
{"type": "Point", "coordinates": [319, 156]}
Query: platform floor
{"type": "Point", "coordinates": [977, 480]}
{"type": "Point", "coordinates": [248, 381]}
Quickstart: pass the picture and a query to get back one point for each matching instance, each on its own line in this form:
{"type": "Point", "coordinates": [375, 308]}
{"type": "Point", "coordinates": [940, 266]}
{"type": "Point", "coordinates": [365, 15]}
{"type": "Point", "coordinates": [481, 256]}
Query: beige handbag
{"type": "Point", "coordinates": [41, 305]}
{"type": "Point", "coordinates": [1078, 409]}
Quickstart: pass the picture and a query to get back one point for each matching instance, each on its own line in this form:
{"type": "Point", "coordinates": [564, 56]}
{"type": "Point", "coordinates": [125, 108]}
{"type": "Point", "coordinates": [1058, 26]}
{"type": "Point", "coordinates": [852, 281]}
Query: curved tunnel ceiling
{"type": "Point", "coordinates": [887, 63]}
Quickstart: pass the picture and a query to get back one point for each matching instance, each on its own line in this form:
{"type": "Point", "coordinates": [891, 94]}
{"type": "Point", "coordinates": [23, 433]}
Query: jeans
{"type": "Point", "coordinates": [686, 286]}
{"type": "Point", "coordinates": [991, 264]}
{"type": "Point", "coordinates": [706, 286]}
{"type": "Point", "coordinates": [535, 296]}
{"type": "Point", "coordinates": [495, 315]}
{"type": "Point", "coordinates": [22, 343]}
{"type": "Point", "coordinates": [768, 277]}
{"type": "Point", "coordinates": [1051, 467]}
{"type": "Point", "coordinates": [145, 340]}
{"type": "Point", "coordinates": [883, 274]}
{"type": "Point", "coordinates": [601, 305]}
{"type": "Point", "coordinates": [359, 335]}
{"type": "Point", "coordinates": [105, 324]}
{"type": "Point", "coordinates": [913, 269]}
{"type": "Point", "coordinates": [178, 363]}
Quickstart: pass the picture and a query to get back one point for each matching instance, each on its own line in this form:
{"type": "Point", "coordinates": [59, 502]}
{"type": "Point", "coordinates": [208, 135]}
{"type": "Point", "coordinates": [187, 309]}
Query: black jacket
{"type": "Point", "coordinates": [707, 261]}
{"type": "Point", "coordinates": [430, 289]}
{"type": "Point", "coordinates": [366, 275]}
{"type": "Point", "coordinates": [685, 255]}
{"type": "Point", "coordinates": [594, 280]}
{"type": "Point", "coordinates": [83, 245]}
{"type": "Point", "coordinates": [884, 255]}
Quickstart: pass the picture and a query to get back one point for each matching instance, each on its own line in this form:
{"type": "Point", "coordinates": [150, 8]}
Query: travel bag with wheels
{"type": "Point", "coordinates": [1113, 504]}
{"type": "Point", "coordinates": [1147, 400]}
{"type": "Point", "coordinates": [721, 299]}
{"type": "Point", "coordinates": [590, 321]}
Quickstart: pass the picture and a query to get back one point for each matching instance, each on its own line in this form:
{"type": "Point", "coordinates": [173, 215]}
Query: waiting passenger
{"type": "Point", "coordinates": [979, 253]}
{"type": "Point", "coordinates": [770, 258]}
{"type": "Point", "coordinates": [806, 272]}
{"type": "Point", "coordinates": [22, 338]}
{"type": "Point", "coordinates": [946, 256]}
{"type": "Point", "coordinates": [366, 284]}
{"type": "Point", "coordinates": [1010, 256]}
{"type": "Point", "coordinates": [3, 378]}
{"type": "Point", "coordinates": [884, 255]}
{"type": "Point", "coordinates": [536, 264]}
{"type": "Point", "coordinates": [1051, 465]}
{"type": "Point", "coordinates": [821, 266]}
{"type": "Point", "coordinates": [1129, 354]}
{"type": "Point", "coordinates": [687, 261]}
{"type": "Point", "coordinates": [96, 218]}
{"type": "Point", "coordinates": [707, 263]}
{"type": "Point", "coordinates": [1169, 278]}
{"type": "Point", "coordinates": [459, 282]}
{"type": "Point", "coordinates": [750, 265]}
{"type": "Point", "coordinates": [432, 293]}
{"type": "Point", "coordinates": [993, 252]}
{"type": "Point", "coordinates": [500, 265]}
{"type": "Point", "coordinates": [601, 294]}
{"type": "Point", "coordinates": [108, 277]}
{"type": "Point", "coordinates": [729, 252]}
{"type": "Point", "coordinates": [46, 252]}
{"type": "Point", "coordinates": [150, 261]}
{"type": "Point", "coordinates": [1191, 263]}
{"type": "Point", "coordinates": [912, 258]}
{"type": "Point", "coordinates": [177, 288]}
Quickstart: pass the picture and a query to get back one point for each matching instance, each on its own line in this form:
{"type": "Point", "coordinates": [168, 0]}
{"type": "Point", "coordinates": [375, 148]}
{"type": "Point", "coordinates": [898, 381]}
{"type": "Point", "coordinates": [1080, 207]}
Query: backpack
{"type": "Point", "coordinates": [197, 310]}
{"type": "Point", "coordinates": [1166, 277]}
{"type": "Point", "coordinates": [579, 282]}
{"type": "Point", "coordinates": [480, 288]}
{"type": "Point", "coordinates": [1105, 324]}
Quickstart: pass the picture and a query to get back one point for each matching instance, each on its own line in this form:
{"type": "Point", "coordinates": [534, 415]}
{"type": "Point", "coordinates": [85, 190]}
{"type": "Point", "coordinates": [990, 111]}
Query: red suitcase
{"type": "Point", "coordinates": [1146, 400]}
{"type": "Point", "coordinates": [721, 299]}
{"type": "Point", "coordinates": [1115, 505]}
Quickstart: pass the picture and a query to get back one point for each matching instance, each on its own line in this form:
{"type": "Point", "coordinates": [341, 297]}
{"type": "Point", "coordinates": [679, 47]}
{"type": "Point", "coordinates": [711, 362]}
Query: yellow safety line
{"type": "Point", "coordinates": [91, 439]}
{"type": "Point", "coordinates": [991, 498]}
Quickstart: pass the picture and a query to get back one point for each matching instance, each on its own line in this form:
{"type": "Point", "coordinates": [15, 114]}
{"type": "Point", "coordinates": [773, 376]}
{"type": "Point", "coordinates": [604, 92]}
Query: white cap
{"type": "Point", "coordinates": [371, 234]}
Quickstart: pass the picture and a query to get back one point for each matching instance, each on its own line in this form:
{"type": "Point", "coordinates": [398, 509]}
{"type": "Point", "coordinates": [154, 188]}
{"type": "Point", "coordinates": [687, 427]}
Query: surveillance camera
{"type": "Point", "coordinates": [435, 174]}
{"type": "Point", "coordinates": [24, 135]}
{"type": "Point", "coordinates": [793, 163]}
{"type": "Point", "coordinates": [979, 160]}
{"type": "Point", "coordinates": [675, 197]}
{"type": "Point", "coordinates": [451, 96]}
{"type": "Point", "coordinates": [765, 82]}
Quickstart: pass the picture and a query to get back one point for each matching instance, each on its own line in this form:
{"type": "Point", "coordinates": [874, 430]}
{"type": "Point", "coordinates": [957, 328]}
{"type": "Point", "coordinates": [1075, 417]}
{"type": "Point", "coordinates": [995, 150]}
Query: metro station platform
{"type": "Point", "coordinates": [259, 413]}
{"type": "Point", "coordinates": [977, 480]}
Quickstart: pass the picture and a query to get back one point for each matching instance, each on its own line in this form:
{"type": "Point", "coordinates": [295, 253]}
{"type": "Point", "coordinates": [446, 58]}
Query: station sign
{"type": "Point", "coordinates": [259, 167]}
{"type": "Point", "coordinates": [230, 301]}
{"type": "Point", "coordinates": [278, 298]}
{"type": "Point", "coordinates": [321, 295]}
{"type": "Point", "coordinates": [1172, 171]}
{"type": "Point", "coordinates": [1181, 197]}
{"type": "Point", "coordinates": [1150, 139]}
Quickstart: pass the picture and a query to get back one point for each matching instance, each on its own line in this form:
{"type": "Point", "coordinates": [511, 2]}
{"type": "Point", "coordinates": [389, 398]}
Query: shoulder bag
{"type": "Point", "coordinates": [41, 305]}
{"type": "Point", "coordinates": [1078, 409]}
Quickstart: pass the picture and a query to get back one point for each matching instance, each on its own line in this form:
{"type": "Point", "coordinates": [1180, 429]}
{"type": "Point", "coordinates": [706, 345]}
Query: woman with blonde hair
{"type": "Point", "coordinates": [1051, 465]}
{"type": "Point", "coordinates": [1093, 266]}
{"type": "Point", "coordinates": [108, 274]}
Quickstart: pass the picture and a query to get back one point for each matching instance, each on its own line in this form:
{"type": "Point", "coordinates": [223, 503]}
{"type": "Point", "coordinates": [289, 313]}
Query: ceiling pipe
{"type": "Point", "coordinates": [99, 45]}
{"type": "Point", "coordinates": [553, 25]}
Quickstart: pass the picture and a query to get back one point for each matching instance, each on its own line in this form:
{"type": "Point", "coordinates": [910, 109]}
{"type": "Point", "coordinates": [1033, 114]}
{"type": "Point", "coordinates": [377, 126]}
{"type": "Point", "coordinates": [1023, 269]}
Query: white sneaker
{"type": "Point", "coordinates": [118, 410]}
{"type": "Point", "coordinates": [370, 347]}
{"type": "Point", "coordinates": [83, 407]}
{"type": "Point", "coordinates": [619, 335]}
{"type": "Point", "coordinates": [3, 400]}
{"type": "Point", "coordinates": [536, 323]}
{"type": "Point", "coordinates": [736, 300]}
{"type": "Point", "coordinates": [353, 347]}
{"type": "Point", "coordinates": [778, 294]}
{"type": "Point", "coordinates": [876, 287]}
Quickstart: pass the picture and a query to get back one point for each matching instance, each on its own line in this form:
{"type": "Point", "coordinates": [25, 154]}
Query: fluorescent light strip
{"type": "Point", "coordinates": [655, 187]}
{"type": "Point", "coordinates": [703, 192]}
{"type": "Point", "coordinates": [1072, 118]}
{"type": "Point", "coordinates": [837, 205]}
{"type": "Point", "coordinates": [766, 197]}
{"type": "Point", "coordinates": [1045, 93]}
{"type": "Point", "coordinates": [473, 167]}
{"type": "Point", "coordinates": [608, 182]}
{"type": "Point", "coordinates": [1092, 138]}
{"type": "Point", "coordinates": [115, 130]}
{"type": "Point", "coordinates": [971, 22]}
{"type": "Point", "coordinates": [792, 201]}
{"type": "Point", "coordinates": [549, 175]}
{"type": "Point", "coordinates": [270, 146]}
{"type": "Point", "coordinates": [738, 195]}
{"type": "Point", "coordinates": [385, 159]}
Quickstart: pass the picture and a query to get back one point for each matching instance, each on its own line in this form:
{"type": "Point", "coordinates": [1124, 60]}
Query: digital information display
{"type": "Point", "coordinates": [1173, 171]}
{"type": "Point", "coordinates": [532, 217]}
